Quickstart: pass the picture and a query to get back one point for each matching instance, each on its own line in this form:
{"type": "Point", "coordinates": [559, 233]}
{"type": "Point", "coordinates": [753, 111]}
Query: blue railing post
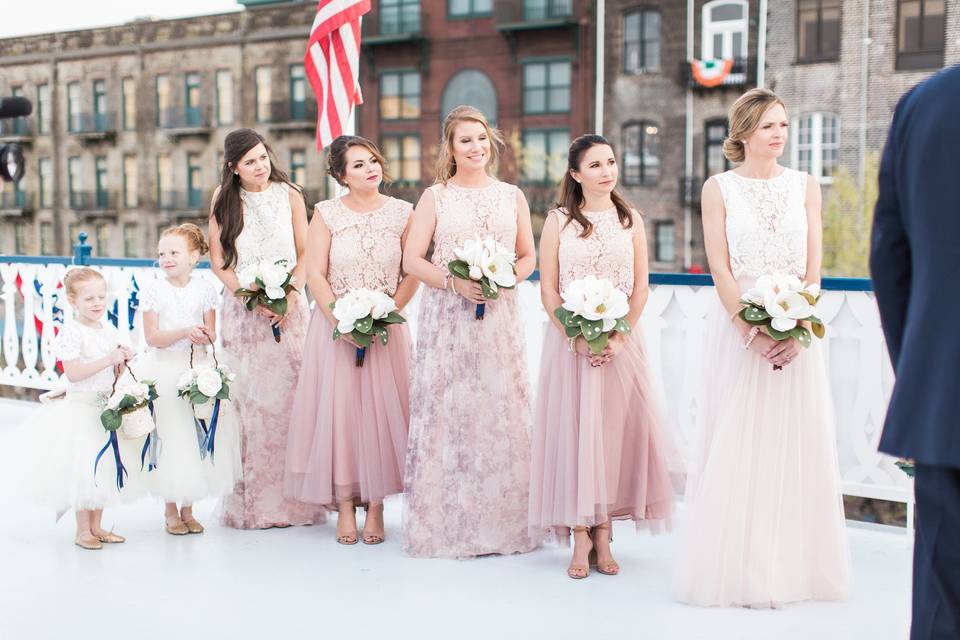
{"type": "Point", "coordinates": [81, 250]}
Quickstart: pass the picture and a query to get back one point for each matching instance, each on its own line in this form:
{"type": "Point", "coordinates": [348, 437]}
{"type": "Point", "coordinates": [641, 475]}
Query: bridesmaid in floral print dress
{"type": "Point", "coordinates": [468, 461]}
{"type": "Point", "coordinates": [257, 214]}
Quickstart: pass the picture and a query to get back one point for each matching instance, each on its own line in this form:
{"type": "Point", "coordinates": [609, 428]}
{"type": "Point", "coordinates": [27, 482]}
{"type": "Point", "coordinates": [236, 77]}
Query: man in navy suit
{"type": "Point", "coordinates": [915, 262]}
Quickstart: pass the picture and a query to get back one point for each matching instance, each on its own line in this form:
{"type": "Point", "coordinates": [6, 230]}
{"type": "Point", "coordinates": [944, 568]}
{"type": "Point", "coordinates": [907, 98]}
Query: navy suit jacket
{"type": "Point", "coordinates": [915, 264]}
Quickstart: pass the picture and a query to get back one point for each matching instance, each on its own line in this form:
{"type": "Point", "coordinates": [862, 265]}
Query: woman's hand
{"type": "Point", "coordinates": [615, 344]}
{"type": "Point", "coordinates": [783, 352]}
{"type": "Point", "coordinates": [469, 290]}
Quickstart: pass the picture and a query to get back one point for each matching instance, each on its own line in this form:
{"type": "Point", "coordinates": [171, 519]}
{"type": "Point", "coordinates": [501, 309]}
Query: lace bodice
{"type": "Point", "coordinates": [364, 247]}
{"type": "Point", "coordinates": [606, 253]}
{"type": "Point", "coordinates": [178, 307]}
{"type": "Point", "coordinates": [76, 341]}
{"type": "Point", "coordinates": [766, 223]}
{"type": "Point", "coordinates": [464, 213]}
{"type": "Point", "coordinates": [267, 226]}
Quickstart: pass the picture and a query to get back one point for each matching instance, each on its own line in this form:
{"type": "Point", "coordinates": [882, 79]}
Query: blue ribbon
{"type": "Point", "coordinates": [121, 470]}
{"type": "Point", "coordinates": [480, 309]}
{"type": "Point", "coordinates": [276, 332]}
{"type": "Point", "coordinates": [201, 427]}
{"type": "Point", "coordinates": [208, 441]}
{"type": "Point", "coordinates": [361, 352]}
{"type": "Point", "coordinates": [151, 445]}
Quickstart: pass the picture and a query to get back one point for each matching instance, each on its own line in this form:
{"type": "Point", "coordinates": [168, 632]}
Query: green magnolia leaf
{"type": "Point", "coordinates": [127, 402]}
{"type": "Point", "coordinates": [818, 329]}
{"type": "Point", "coordinates": [362, 339]}
{"type": "Point", "coordinates": [754, 314]}
{"type": "Point", "coordinates": [111, 420]}
{"type": "Point", "coordinates": [393, 318]}
{"type": "Point", "coordinates": [260, 284]}
{"type": "Point", "coordinates": [565, 317]}
{"type": "Point", "coordinates": [459, 268]}
{"type": "Point", "coordinates": [197, 397]}
{"type": "Point", "coordinates": [778, 335]}
{"type": "Point", "coordinates": [336, 333]}
{"type": "Point", "coordinates": [252, 303]}
{"type": "Point", "coordinates": [572, 331]}
{"type": "Point", "coordinates": [623, 326]}
{"type": "Point", "coordinates": [591, 329]}
{"type": "Point", "coordinates": [364, 325]}
{"type": "Point", "coordinates": [332, 305]}
{"type": "Point", "coordinates": [224, 393]}
{"type": "Point", "coordinates": [279, 307]}
{"type": "Point", "coordinates": [598, 344]}
{"type": "Point", "coordinates": [488, 292]}
{"type": "Point", "coordinates": [381, 332]}
{"type": "Point", "coordinates": [802, 336]}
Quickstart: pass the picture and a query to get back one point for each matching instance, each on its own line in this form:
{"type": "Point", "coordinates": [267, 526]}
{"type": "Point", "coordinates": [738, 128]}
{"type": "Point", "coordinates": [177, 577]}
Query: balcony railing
{"type": "Point", "coordinates": [674, 322]}
{"type": "Point", "coordinates": [100, 202]}
{"type": "Point", "coordinates": [16, 203]}
{"type": "Point", "coordinates": [739, 76]}
{"type": "Point", "coordinates": [186, 201]}
{"type": "Point", "coordinates": [291, 115]}
{"type": "Point", "coordinates": [18, 130]}
{"type": "Point", "coordinates": [526, 15]}
{"type": "Point", "coordinates": [394, 24]}
{"type": "Point", "coordinates": [185, 121]}
{"type": "Point", "coordinates": [93, 126]}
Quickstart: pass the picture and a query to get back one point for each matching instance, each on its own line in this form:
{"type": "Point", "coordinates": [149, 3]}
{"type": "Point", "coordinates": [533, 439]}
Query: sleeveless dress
{"type": "Point", "coordinates": [599, 451]}
{"type": "Point", "coordinates": [182, 475]}
{"type": "Point", "coordinates": [348, 426]}
{"type": "Point", "coordinates": [266, 371]}
{"type": "Point", "coordinates": [66, 435]}
{"type": "Point", "coordinates": [468, 463]}
{"type": "Point", "coordinates": [764, 522]}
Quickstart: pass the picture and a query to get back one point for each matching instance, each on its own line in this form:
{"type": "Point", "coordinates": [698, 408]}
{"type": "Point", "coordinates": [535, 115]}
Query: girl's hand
{"type": "Point", "coordinates": [198, 334]}
{"type": "Point", "coordinates": [120, 355]}
{"type": "Point", "coordinates": [469, 290]}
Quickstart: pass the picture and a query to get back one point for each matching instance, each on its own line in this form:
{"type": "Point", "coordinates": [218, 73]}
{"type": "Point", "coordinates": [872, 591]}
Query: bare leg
{"type": "Point", "coordinates": [601, 542]}
{"type": "Point", "coordinates": [186, 514]}
{"type": "Point", "coordinates": [373, 524]}
{"type": "Point", "coordinates": [582, 548]}
{"type": "Point", "coordinates": [346, 523]}
{"type": "Point", "coordinates": [85, 537]}
{"type": "Point", "coordinates": [175, 524]}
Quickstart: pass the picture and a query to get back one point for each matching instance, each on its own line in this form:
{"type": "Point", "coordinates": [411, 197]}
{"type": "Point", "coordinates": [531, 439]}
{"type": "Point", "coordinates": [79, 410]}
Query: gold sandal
{"type": "Point", "coordinates": [610, 567]}
{"type": "Point", "coordinates": [581, 571]}
{"type": "Point", "coordinates": [178, 528]}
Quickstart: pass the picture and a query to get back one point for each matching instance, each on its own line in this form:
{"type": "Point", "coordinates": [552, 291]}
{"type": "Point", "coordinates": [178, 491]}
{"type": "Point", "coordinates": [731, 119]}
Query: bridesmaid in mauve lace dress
{"type": "Point", "coordinates": [258, 215]}
{"type": "Point", "coordinates": [348, 429]}
{"type": "Point", "coordinates": [468, 462]}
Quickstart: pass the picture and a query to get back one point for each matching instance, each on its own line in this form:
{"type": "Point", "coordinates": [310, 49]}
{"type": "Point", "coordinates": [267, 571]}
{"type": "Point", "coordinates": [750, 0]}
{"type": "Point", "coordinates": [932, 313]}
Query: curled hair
{"type": "Point", "coordinates": [337, 157]}
{"type": "Point", "coordinates": [190, 232]}
{"type": "Point", "coordinates": [570, 199]}
{"type": "Point", "coordinates": [446, 164]}
{"type": "Point", "coordinates": [77, 276]}
{"type": "Point", "coordinates": [228, 205]}
{"type": "Point", "coordinates": [745, 116]}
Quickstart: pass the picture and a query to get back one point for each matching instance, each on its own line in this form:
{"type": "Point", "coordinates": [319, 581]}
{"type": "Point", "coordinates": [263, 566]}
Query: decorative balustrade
{"type": "Point", "coordinates": [674, 322]}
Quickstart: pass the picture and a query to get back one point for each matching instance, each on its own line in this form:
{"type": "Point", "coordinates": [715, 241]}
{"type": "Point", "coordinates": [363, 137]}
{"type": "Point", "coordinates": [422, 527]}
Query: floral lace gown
{"type": "Point", "coordinates": [599, 451]}
{"type": "Point", "coordinates": [468, 461]}
{"type": "Point", "coordinates": [348, 429]}
{"type": "Point", "coordinates": [266, 371]}
{"type": "Point", "coordinates": [764, 521]}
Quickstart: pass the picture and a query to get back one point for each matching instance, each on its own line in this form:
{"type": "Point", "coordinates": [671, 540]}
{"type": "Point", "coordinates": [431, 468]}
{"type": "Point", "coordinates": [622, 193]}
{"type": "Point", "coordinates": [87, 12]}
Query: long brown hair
{"type": "Point", "coordinates": [228, 206]}
{"type": "Point", "coordinates": [446, 164]}
{"type": "Point", "coordinates": [570, 199]}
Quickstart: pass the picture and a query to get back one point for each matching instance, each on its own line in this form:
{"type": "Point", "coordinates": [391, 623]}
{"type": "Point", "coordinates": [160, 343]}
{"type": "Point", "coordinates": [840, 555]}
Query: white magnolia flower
{"type": "Point", "coordinates": [209, 382]}
{"type": "Point", "coordinates": [471, 252]}
{"type": "Point", "coordinates": [273, 275]}
{"type": "Point", "coordinates": [475, 272]}
{"type": "Point", "coordinates": [275, 293]}
{"type": "Point", "coordinates": [113, 402]}
{"type": "Point", "coordinates": [596, 299]}
{"type": "Point", "coordinates": [786, 308]}
{"type": "Point", "coordinates": [186, 380]}
{"type": "Point", "coordinates": [138, 390]}
{"type": "Point", "coordinates": [246, 277]}
{"type": "Point", "coordinates": [350, 308]}
{"type": "Point", "coordinates": [813, 289]}
{"type": "Point", "coordinates": [382, 305]}
{"type": "Point", "coordinates": [499, 270]}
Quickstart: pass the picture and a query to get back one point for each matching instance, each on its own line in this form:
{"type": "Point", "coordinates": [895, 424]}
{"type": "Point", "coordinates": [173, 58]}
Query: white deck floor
{"type": "Point", "coordinates": [300, 583]}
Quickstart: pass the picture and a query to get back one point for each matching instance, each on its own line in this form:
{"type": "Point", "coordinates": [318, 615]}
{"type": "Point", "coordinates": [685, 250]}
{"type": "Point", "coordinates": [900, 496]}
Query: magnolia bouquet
{"type": "Point", "coordinates": [273, 280]}
{"type": "Point", "coordinates": [779, 303]}
{"type": "Point", "coordinates": [364, 314]}
{"type": "Point", "coordinates": [594, 308]}
{"type": "Point", "coordinates": [488, 263]}
{"type": "Point", "coordinates": [128, 409]}
{"type": "Point", "coordinates": [204, 387]}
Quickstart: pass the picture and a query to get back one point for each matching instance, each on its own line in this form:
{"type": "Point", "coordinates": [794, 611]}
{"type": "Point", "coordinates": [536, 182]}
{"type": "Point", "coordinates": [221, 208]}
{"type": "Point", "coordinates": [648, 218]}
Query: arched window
{"type": "Point", "coordinates": [473, 88]}
{"type": "Point", "coordinates": [725, 29]}
{"type": "Point", "coordinates": [641, 156]}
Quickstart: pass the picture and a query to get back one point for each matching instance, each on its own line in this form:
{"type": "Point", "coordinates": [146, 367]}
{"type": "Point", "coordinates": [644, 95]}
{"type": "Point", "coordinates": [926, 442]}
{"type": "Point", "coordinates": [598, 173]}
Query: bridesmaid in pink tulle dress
{"type": "Point", "coordinates": [599, 453]}
{"type": "Point", "coordinates": [468, 465]}
{"type": "Point", "coordinates": [348, 428]}
{"type": "Point", "coordinates": [258, 215]}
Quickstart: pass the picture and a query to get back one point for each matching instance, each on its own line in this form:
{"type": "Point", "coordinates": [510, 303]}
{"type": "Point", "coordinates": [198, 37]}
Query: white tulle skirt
{"type": "Point", "coordinates": [764, 514]}
{"type": "Point", "coordinates": [182, 474]}
{"type": "Point", "coordinates": [60, 444]}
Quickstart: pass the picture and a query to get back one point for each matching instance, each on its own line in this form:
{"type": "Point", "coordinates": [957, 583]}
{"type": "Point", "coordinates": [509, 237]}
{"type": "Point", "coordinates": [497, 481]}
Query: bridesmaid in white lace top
{"type": "Point", "coordinates": [257, 214]}
{"type": "Point", "coordinates": [764, 522]}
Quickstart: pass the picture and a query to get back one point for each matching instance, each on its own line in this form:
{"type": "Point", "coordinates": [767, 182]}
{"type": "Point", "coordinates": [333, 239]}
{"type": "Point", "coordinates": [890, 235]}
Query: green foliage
{"type": "Point", "coordinates": [847, 219]}
{"type": "Point", "coordinates": [591, 330]}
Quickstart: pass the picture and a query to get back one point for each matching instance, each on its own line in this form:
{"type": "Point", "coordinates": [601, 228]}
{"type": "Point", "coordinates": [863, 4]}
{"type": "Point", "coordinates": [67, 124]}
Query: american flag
{"type": "Point", "coordinates": [332, 63]}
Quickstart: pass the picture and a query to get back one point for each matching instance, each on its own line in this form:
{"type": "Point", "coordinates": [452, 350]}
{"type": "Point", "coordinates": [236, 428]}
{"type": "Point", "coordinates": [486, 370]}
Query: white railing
{"type": "Point", "coordinates": [673, 321]}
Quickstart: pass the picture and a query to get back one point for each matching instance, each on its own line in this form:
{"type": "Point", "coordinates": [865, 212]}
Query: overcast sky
{"type": "Point", "coordinates": [23, 17]}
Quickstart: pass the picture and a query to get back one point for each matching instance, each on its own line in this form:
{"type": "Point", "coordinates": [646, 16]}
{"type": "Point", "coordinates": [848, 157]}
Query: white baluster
{"type": "Point", "coordinates": [50, 275]}
{"type": "Point", "coordinates": [30, 377]}
{"type": "Point", "coordinates": [11, 343]}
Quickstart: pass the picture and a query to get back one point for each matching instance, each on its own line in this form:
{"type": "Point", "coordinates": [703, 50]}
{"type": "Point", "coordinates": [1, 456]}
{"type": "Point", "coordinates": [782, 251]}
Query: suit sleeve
{"type": "Point", "coordinates": [890, 255]}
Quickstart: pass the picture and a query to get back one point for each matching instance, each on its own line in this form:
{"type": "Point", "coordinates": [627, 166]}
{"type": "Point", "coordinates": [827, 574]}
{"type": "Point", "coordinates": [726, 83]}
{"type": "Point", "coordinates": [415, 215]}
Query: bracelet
{"type": "Point", "coordinates": [750, 336]}
{"type": "Point", "coordinates": [446, 280]}
{"type": "Point", "coordinates": [571, 344]}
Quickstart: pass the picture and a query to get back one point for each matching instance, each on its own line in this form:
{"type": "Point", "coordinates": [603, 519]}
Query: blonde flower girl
{"type": "Point", "coordinates": [179, 325]}
{"type": "Point", "coordinates": [75, 463]}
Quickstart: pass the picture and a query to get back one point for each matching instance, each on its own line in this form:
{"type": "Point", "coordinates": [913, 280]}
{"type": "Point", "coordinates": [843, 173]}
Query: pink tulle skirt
{"type": "Point", "coordinates": [599, 451]}
{"type": "Point", "coordinates": [348, 427]}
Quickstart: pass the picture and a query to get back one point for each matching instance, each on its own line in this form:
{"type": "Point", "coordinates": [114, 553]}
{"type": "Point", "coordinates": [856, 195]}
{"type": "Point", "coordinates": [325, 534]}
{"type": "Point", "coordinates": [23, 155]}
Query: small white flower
{"type": "Point", "coordinates": [275, 293]}
{"type": "Point", "coordinates": [475, 272]}
{"type": "Point", "coordinates": [246, 277]}
{"type": "Point", "coordinates": [209, 382]}
{"type": "Point", "coordinates": [113, 402]}
{"type": "Point", "coordinates": [186, 380]}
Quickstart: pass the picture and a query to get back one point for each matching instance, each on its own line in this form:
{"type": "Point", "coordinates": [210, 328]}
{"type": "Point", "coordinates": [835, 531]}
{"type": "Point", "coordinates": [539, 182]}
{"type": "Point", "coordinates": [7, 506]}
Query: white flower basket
{"type": "Point", "coordinates": [203, 411]}
{"type": "Point", "coordinates": [137, 424]}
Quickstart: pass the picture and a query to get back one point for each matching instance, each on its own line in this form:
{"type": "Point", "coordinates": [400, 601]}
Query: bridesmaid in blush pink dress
{"type": "Point", "coordinates": [258, 215]}
{"type": "Point", "coordinates": [468, 465]}
{"type": "Point", "coordinates": [599, 453]}
{"type": "Point", "coordinates": [348, 428]}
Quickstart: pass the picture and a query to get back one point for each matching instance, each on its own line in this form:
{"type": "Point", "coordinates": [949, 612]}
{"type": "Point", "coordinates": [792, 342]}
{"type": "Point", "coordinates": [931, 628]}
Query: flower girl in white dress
{"type": "Point", "coordinates": [179, 319]}
{"type": "Point", "coordinates": [74, 462]}
{"type": "Point", "coordinates": [764, 518]}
